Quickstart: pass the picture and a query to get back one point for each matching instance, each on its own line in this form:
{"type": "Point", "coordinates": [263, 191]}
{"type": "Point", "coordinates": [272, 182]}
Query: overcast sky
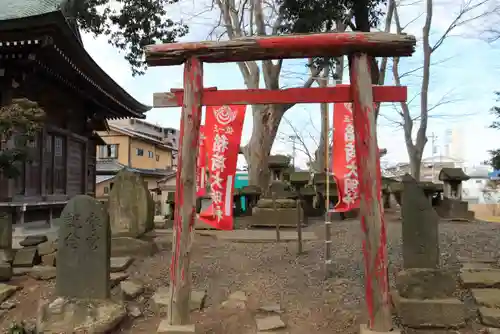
{"type": "Point", "coordinates": [466, 71]}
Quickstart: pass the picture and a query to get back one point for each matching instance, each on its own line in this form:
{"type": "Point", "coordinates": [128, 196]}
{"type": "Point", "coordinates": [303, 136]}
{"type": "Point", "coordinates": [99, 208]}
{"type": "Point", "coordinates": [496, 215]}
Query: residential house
{"type": "Point", "coordinates": [429, 169]}
{"type": "Point", "coordinates": [129, 144]}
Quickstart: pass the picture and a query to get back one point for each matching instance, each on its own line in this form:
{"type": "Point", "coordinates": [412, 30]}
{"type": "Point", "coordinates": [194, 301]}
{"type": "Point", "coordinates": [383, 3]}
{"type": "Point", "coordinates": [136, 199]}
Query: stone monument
{"type": "Point", "coordinates": [420, 227]}
{"type": "Point", "coordinates": [264, 214]}
{"type": "Point", "coordinates": [131, 207]}
{"type": "Point", "coordinates": [452, 206]}
{"type": "Point", "coordinates": [83, 269]}
{"type": "Point", "coordinates": [425, 293]}
{"type": "Point", "coordinates": [278, 165]}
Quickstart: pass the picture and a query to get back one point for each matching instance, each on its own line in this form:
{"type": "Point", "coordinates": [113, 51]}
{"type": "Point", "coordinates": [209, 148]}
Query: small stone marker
{"type": "Point", "coordinates": [120, 263]}
{"type": "Point", "coordinates": [131, 290]}
{"type": "Point", "coordinates": [83, 255]}
{"type": "Point", "coordinates": [6, 272]}
{"type": "Point", "coordinates": [26, 257]}
{"type": "Point", "coordinates": [6, 236]}
{"type": "Point", "coordinates": [43, 273]}
{"type": "Point", "coordinates": [270, 323]}
{"type": "Point", "coordinates": [420, 227]}
{"type": "Point", "coordinates": [6, 291]}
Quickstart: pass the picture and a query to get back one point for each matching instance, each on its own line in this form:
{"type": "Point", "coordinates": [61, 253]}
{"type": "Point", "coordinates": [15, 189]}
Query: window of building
{"type": "Point", "coordinates": [150, 154]}
{"type": "Point", "coordinates": [59, 165]}
{"type": "Point", "coordinates": [111, 184]}
{"type": "Point", "coordinates": [157, 157]}
{"type": "Point", "coordinates": [108, 151]}
{"type": "Point", "coordinates": [139, 152]}
{"type": "Point", "coordinates": [106, 190]}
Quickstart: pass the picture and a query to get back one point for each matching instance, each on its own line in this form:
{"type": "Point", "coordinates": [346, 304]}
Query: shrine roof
{"type": "Point", "coordinates": [453, 174]}
{"type": "Point", "coordinates": [44, 30]}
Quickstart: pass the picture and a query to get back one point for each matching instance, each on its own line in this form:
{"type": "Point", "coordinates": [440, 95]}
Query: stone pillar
{"type": "Point", "coordinates": [420, 227]}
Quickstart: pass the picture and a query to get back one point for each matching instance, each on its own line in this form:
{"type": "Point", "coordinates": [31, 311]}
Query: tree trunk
{"type": "Point", "coordinates": [266, 120]}
{"type": "Point", "coordinates": [415, 163]}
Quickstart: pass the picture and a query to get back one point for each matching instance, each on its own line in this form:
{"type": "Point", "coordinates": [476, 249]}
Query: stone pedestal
{"type": "Point", "coordinates": [285, 213]}
{"type": "Point", "coordinates": [454, 209]}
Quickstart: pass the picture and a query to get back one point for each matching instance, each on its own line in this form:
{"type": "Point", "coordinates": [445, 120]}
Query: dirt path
{"type": "Point", "coordinates": [272, 273]}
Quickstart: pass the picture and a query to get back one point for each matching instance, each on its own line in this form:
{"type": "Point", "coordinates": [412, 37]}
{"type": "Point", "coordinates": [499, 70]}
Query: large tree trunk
{"type": "Point", "coordinates": [415, 163]}
{"type": "Point", "coordinates": [266, 120]}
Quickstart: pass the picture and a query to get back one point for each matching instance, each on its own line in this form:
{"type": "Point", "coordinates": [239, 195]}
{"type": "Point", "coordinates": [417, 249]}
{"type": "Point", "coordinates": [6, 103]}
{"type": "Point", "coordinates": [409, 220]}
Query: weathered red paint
{"type": "Point", "coordinates": [379, 44]}
{"type": "Point", "coordinates": [372, 220]}
{"type": "Point", "coordinates": [337, 94]}
{"type": "Point", "coordinates": [185, 195]}
{"type": "Point", "coordinates": [283, 47]}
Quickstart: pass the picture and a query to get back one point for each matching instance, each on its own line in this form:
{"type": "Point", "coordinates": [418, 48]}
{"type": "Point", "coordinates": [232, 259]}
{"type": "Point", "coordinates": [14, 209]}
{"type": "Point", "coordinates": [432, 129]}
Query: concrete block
{"type": "Point", "coordinates": [490, 316]}
{"type": "Point", "coordinates": [363, 329]}
{"type": "Point", "coordinates": [166, 328]}
{"type": "Point", "coordinates": [436, 313]}
{"type": "Point", "coordinates": [471, 279]}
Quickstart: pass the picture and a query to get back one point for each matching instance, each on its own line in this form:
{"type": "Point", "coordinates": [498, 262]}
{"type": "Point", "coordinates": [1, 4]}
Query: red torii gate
{"type": "Point", "coordinates": [359, 46]}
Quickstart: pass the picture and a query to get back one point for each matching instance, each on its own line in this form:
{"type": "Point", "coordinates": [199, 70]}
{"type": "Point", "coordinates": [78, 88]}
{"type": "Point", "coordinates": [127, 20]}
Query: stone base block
{"type": "Point", "coordinates": [166, 328]}
{"type": "Point", "coordinates": [287, 217]}
{"type": "Point", "coordinates": [477, 278]}
{"type": "Point", "coordinates": [363, 329]}
{"type": "Point", "coordinates": [490, 316]}
{"type": "Point", "coordinates": [435, 313]}
{"type": "Point", "coordinates": [125, 246]}
{"type": "Point", "coordinates": [418, 283]}
{"type": "Point", "coordinates": [85, 316]}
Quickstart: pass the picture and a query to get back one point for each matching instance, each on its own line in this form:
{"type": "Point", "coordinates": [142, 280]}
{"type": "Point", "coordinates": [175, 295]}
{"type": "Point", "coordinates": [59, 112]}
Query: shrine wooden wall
{"type": "Point", "coordinates": [62, 156]}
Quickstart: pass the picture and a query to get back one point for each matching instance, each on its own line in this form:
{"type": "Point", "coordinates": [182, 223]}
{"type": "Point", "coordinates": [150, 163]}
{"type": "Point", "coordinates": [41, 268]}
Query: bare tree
{"type": "Point", "coordinates": [306, 138]}
{"type": "Point", "coordinates": [416, 147]}
{"type": "Point", "coordinates": [242, 18]}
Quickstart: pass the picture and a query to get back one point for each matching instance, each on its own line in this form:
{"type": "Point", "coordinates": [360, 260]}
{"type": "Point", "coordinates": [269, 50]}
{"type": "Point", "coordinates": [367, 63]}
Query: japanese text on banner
{"type": "Point", "coordinates": [223, 135]}
{"type": "Point", "coordinates": [345, 169]}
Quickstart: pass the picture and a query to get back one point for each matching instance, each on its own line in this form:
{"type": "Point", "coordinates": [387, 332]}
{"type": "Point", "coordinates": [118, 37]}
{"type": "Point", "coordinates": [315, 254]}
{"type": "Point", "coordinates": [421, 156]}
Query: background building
{"type": "Point", "coordinates": [429, 169]}
{"type": "Point", "coordinates": [137, 145]}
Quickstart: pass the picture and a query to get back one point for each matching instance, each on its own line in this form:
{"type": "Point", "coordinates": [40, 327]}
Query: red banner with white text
{"type": "Point", "coordinates": [223, 128]}
{"type": "Point", "coordinates": [345, 170]}
{"type": "Point", "coordinates": [201, 165]}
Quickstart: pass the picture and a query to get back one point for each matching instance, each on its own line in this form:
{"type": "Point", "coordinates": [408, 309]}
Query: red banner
{"type": "Point", "coordinates": [345, 170]}
{"type": "Point", "coordinates": [223, 128]}
{"type": "Point", "coordinates": [201, 171]}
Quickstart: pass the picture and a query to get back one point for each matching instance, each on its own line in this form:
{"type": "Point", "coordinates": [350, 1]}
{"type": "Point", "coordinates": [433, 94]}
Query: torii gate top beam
{"type": "Point", "coordinates": [376, 44]}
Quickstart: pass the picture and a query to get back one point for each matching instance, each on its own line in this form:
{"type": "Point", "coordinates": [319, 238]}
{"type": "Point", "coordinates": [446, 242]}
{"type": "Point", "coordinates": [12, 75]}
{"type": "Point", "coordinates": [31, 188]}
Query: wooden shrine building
{"type": "Point", "coordinates": [42, 58]}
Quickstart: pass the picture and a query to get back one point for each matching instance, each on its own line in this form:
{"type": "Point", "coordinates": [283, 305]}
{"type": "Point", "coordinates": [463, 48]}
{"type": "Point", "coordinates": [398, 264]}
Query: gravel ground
{"type": "Point", "coordinates": [272, 273]}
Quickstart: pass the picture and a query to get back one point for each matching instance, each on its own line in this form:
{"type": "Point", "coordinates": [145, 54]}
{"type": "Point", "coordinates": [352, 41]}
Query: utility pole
{"type": "Point", "coordinates": [293, 139]}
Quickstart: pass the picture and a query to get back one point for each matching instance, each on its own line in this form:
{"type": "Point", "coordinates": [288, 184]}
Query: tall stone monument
{"type": "Point", "coordinates": [83, 302]}
{"type": "Point", "coordinates": [131, 207]}
{"type": "Point", "coordinates": [420, 227]}
{"type": "Point", "coordinates": [83, 265]}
